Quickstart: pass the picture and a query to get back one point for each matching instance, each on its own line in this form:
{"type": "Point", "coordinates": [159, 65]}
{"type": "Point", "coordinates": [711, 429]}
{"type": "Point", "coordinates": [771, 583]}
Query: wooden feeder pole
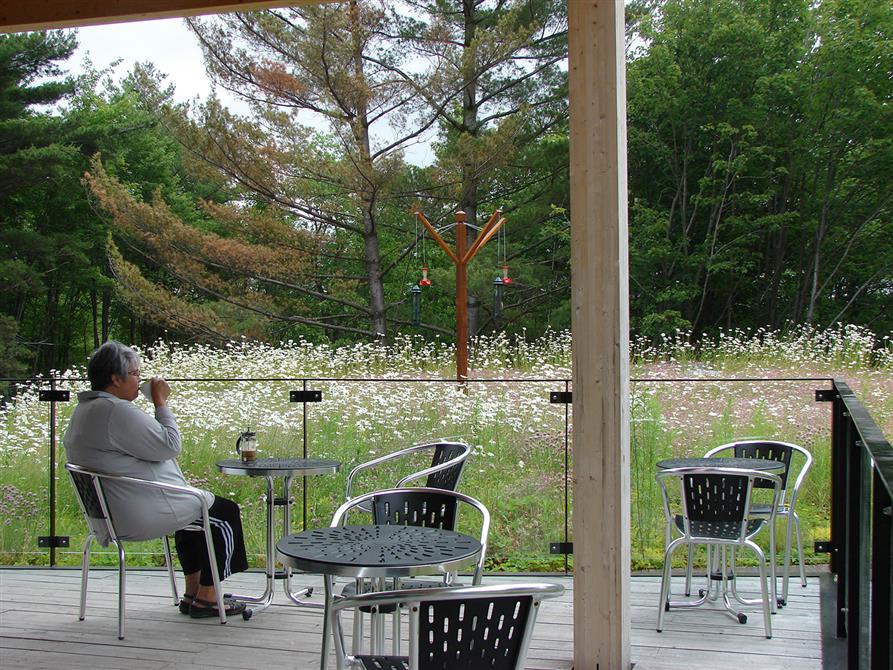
{"type": "Point", "coordinates": [461, 257]}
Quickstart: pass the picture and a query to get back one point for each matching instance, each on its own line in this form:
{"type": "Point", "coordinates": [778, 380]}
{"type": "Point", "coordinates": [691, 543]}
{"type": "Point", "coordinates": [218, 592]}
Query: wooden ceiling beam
{"type": "Point", "coordinates": [23, 15]}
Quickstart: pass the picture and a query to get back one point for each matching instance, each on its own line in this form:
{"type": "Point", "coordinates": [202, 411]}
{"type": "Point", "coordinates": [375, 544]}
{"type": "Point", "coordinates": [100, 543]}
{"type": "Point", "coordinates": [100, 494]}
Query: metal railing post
{"type": "Point", "coordinates": [881, 575]}
{"type": "Point", "coordinates": [52, 456]}
{"type": "Point", "coordinates": [863, 543]}
{"type": "Point", "coordinates": [304, 454]}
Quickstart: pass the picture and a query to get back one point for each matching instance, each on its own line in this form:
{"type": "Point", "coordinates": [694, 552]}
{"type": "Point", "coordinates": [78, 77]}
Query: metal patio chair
{"type": "Point", "coordinates": [427, 507]}
{"type": "Point", "coordinates": [453, 628]}
{"type": "Point", "coordinates": [786, 507]}
{"type": "Point", "coordinates": [88, 485]}
{"type": "Point", "coordinates": [714, 510]}
{"type": "Point", "coordinates": [447, 461]}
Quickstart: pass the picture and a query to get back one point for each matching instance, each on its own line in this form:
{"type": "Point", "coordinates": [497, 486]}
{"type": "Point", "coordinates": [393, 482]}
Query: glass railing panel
{"type": "Point", "coordinates": [685, 418]}
{"type": "Point", "coordinates": [24, 473]}
{"type": "Point", "coordinates": [516, 467]}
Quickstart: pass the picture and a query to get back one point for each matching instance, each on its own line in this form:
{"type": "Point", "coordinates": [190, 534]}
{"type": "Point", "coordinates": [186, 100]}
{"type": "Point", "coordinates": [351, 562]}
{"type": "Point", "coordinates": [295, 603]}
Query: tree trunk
{"type": "Point", "coordinates": [106, 314]}
{"type": "Point", "coordinates": [373, 271]}
{"type": "Point", "coordinates": [371, 250]}
{"type": "Point", "coordinates": [468, 201]}
{"type": "Point", "coordinates": [94, 314]}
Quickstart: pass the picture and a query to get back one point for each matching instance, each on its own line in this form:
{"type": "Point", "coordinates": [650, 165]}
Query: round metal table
{"type": "Point", "coordinates": [762, 464]}
{"type": "Point", "coordinates": [374, 551]}
{"type": "Point", "coordinates": [719, 573]}
{"type": "Point", "coordinates": [270, 468]}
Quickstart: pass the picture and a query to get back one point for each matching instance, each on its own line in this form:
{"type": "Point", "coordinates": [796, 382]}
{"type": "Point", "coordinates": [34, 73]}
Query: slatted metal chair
{"type": "Point", "coordinates": [88, 484]}
{"type": "Point", "coordinates": [447, 461]}
{"type": "Point", "coordinates": [453, 628]}
{"type": "Point", "coordinates": [783, 452]}
{"type": "Point", "coordinates": [715, 511]}
{"type": "Point", "coordinates": [426, 507]}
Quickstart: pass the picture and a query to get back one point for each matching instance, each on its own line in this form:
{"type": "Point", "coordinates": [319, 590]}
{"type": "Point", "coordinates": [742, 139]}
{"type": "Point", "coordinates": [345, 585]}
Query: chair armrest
{"type": "Point", "coordinates": [400, 454]}
{"type": "Point", "coordinates": [538, 590]}
{"type": "Point", "coordinates": [190, 490]}
{"type": "Point", "coordinates": [148, 483]}
{"type": "Point", "coordinates": [434, 468]}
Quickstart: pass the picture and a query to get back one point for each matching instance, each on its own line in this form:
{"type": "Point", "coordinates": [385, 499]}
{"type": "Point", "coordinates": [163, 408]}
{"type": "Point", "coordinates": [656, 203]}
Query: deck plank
{"type": "Point", "coordinates": [39, 628]}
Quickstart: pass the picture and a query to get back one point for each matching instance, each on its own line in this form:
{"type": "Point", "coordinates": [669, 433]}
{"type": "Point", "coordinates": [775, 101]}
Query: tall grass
{"type": "Point", "coordinates": [518, 437]}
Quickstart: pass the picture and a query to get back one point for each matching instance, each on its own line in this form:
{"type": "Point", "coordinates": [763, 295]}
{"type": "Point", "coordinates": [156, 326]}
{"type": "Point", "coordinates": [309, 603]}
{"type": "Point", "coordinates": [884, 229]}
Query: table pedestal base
{"type": "Point", "coordinates": [721, 584]}
{"type": "Point", "coordinates": [264, 600]}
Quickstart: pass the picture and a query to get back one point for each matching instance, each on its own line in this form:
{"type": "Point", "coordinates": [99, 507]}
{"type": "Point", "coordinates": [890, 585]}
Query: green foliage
{"type": "Point", "coordinates": [13, 355]}
{"type": "Point", "coordinates": [760, 164]}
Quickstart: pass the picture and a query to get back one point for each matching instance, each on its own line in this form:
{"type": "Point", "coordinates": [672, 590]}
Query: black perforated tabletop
{"type": "Point", "coordinates": [377, 551]}
{"type": "Point", "coordinates": [279, 467]}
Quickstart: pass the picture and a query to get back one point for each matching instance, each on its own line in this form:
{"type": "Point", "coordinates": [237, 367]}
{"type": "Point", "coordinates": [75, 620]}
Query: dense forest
{"type": "Point", "coordinates": [760, 175]}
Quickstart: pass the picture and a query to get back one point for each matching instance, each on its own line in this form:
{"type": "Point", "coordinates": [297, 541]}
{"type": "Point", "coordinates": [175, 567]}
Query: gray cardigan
{"type": "Point", "coordinates": [113, 435]}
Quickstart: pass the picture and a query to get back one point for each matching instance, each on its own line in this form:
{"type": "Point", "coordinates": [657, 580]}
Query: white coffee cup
{"type": "Point", "coordinates": [146, 389]}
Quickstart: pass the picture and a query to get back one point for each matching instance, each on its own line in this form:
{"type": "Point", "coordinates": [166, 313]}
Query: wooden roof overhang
{"type": "Point", "coordinates": [599, 293]}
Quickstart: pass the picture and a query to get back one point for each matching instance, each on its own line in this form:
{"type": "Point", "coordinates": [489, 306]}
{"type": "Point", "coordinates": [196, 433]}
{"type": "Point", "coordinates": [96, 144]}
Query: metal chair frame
{"type": "Point", "coordinates": [771, 449]}
{"type": "Point", "coordinates": [373, 502]}
{"type": "Point", "coordinates": [437, 474]}
{"type": "Point", "coordinates": [449, 651]}
{"type": "Point", "coordinates": [737, 518]}
{"type": "Point", "coordinates": [96, 510]}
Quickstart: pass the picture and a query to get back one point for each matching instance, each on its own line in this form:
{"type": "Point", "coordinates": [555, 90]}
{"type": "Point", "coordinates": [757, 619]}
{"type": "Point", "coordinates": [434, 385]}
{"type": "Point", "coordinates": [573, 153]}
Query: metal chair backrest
{"type": "Point", "coordinates": [430, 508]}
{"type": "Point", "coordinates": [447, 461]}
{"type": "Point", "coordinates": [91, 498]}
{"type": "Point", "coordinates": [447, 477]}
{"type": "Point", "coordinates": [419, 507]}
{"type": "Point", "coordinates": [715, 496]}
{"type": "Point", "coordinates": [773, 450]}
{"type": "Point", "coordinates": [715, 500]}
{"type": "Point", "coordinates": [770, 451]}
{"type": "Point", "coordinates": [461, 628]}
{"type": "Point", "coordinates": [482, 632]}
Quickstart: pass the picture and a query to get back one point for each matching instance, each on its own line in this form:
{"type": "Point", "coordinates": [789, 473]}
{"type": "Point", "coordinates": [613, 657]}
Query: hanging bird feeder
{"type": "Point", "coordinates": [415, 294]}
{"type": "Point", "coordinates": [424, 281]}
{"type": "Point", "coordinates": [498, 286]}
{"type": "Point", "coordinates": [502, 255]}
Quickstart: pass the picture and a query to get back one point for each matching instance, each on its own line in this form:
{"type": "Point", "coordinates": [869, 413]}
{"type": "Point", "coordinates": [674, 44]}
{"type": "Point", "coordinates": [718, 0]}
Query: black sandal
{"type": "Point", "coordinates": [200, 609]}
{"type": "Point", "coordinates": [186, 602]}
{"type": "Point", "coordinates": [187, 599]}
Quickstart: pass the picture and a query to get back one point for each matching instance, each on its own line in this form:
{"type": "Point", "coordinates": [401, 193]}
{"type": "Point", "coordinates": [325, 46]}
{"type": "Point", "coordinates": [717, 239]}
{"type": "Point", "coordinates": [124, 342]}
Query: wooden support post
{"type": "Point", "coordinates": [600, 322]}
{"type": "Point", "coordinates": [461, 299]}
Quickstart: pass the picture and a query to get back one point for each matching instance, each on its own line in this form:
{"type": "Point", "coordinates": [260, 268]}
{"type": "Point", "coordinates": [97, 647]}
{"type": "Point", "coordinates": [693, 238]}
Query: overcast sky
{"type": "Point", "coordinates": [167, 43]}
{"type": "Point", "coordinates": [174, 50]}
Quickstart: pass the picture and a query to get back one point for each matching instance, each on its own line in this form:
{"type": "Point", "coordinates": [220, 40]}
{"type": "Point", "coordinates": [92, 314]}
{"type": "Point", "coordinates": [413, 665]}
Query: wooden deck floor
{"type": "Point", "coordinates": [39, 629]}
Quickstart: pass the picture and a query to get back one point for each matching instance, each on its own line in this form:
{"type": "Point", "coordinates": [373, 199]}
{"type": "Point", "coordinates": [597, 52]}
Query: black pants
{"type": "Point", "coordinates": [229, 544]}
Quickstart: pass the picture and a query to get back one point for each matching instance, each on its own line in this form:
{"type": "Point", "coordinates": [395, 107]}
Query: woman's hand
{"type": "Point", "coordinates": [161, 391]}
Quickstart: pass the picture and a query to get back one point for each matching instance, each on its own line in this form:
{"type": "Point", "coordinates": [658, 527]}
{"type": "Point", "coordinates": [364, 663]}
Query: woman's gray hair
{"type": "Point", "coordinates": [112, 358]}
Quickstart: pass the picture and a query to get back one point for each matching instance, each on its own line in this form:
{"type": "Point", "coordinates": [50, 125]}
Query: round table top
{"type": "Point", "coordinates": [279, 467]}
{"type": "Point", "coordinates": [377, 550]}
{"type": "Point", "coordinates": [763, 464]}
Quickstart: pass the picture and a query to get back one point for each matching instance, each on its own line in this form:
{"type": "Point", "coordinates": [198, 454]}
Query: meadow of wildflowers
{"type": "Point", "coordinates": [379, 398]}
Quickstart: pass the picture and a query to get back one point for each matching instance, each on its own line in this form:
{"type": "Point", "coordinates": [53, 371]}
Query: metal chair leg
{"type": "Point", "coordinates": [122, 586]}
{"type": "Point", "coordinates": [85, 574]}
{"type": "Point", "coordinates": [395, 631]}
{"type": "Point", "coordinates": [767, 617]}
{"type": "Point", "coordinates": [799, 550]}
{"type": "Point", "coordinates": [665, 584]}
{"type": "Point", "coordinates": [170, 568]}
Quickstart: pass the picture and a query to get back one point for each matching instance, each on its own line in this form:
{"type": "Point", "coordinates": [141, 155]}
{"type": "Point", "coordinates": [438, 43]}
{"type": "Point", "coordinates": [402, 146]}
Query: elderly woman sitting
{"type": "Point", "coordinates": [109, 433]}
